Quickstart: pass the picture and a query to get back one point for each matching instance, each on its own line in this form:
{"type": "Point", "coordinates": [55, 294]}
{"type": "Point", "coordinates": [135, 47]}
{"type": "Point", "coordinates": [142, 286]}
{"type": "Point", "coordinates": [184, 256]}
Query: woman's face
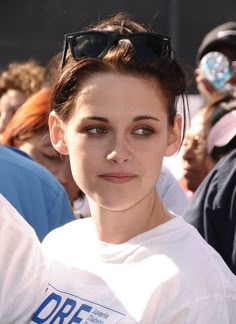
{"type": "Point", "coordinates": [195, 154]}
{"type": "Point", "coordinates": [116, 138]}
{"type": "Point", "coordinates": [40, 148]}
{"type": "Point", "coordinates": [9, 103]}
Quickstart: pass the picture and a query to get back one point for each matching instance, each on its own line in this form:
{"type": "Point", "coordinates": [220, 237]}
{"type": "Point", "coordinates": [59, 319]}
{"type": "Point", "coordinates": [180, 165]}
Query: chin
{"type": "Point", "coordinates": [116, 207]}
{"type": "Point", "coordinates": [115, 203]}
{"type": "Point", "coordinates": [192, 186]}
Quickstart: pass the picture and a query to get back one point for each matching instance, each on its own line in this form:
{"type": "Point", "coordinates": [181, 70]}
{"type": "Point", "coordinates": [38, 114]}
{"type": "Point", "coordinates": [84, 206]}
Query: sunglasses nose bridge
{"type": "Point", "coordinates": [122, 38]}
{"type": "Point", "coordinates": [112, 42]}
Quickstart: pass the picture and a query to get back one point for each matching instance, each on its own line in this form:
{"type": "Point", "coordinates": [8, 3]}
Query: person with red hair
{"type": "Point", "coordinates": [28, 131]}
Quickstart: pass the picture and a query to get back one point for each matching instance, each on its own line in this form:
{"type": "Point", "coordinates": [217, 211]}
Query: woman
{"type": "Point", "coordinates": [28, 131]}
{"type": "Point", "coordinates": [114, 114]}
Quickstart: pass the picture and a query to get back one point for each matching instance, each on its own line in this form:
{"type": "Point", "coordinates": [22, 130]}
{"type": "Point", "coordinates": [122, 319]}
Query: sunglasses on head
{"type": "Point", "coordinates": [95, 44]}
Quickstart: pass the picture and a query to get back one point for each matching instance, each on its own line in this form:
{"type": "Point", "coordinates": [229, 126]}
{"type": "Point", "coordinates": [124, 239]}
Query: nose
{"type": "Point", "coordinates": [189, 149]}
{"type": "Point", "coordinates": [187, 152]}
{"type": "Point", "coordinates": [120, 151]}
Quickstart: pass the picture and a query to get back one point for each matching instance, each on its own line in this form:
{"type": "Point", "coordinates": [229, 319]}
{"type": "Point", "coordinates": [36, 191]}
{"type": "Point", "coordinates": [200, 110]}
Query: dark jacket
{"type": "Point", "coordinates": [212, 209]}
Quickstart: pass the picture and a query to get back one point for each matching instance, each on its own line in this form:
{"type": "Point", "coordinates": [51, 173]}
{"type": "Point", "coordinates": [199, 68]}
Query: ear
{"type": "Point", "coordinates": [174, 136]}
{"type": "Point", "coordinates": [57, 133]}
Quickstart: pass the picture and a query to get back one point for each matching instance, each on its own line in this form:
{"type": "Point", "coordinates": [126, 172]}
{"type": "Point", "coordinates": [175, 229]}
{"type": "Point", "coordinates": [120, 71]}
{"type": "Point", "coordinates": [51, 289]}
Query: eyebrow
{"type": "Point", "coordinates": [97, 118]}
{"type": "Point", "coordinates": [142, 117]}
{"type": "Point", "coordinates": [138, 118]}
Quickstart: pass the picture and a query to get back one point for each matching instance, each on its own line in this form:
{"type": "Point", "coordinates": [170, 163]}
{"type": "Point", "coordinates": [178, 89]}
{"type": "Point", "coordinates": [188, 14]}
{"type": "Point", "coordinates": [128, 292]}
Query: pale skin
{"type": "Point", "coordinates": [116, 138]}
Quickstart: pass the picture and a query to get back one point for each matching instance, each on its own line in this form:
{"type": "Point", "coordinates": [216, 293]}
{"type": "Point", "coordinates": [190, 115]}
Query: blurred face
{"type": "Point", "coordinates": [9, 103]}
{"type": "Point", "coordinates": [41, 150]}
{"type": "Point", "coordinates": [116, 139]}
{"type": "Point", "coordinates": [194, 154]}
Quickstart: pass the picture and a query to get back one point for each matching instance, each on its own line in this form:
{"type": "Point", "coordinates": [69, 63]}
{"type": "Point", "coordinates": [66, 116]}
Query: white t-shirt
{"type": "Point", "coordinates": [23, 268]}
{"type": "Point", "coordinates": [163, 276]}
{"type": "Point", "coordinates": [170, 192]}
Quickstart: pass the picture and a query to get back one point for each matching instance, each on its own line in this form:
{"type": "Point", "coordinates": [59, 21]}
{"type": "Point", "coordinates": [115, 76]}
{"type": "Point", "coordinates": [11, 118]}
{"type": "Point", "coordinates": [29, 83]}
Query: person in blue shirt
{"type": "Point", "coordinates": [35, 193]}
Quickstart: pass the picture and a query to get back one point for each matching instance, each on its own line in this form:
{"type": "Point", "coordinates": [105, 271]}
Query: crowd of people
{"type": "Point", "coordinates": [94, 227]}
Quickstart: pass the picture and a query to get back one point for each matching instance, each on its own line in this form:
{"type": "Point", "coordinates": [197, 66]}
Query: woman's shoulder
{"type": "Point", "coordinates": [203, 266]}
{"type": "Point", "coordinates": [197, 262]}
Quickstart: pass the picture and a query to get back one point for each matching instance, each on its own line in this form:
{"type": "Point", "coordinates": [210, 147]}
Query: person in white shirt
{"type": "Point", "coordinates": [114, 114]}
{"type": "Point", "coordinates": [172, 195]}
{"type": "Point", "coordinates": [23, 267]}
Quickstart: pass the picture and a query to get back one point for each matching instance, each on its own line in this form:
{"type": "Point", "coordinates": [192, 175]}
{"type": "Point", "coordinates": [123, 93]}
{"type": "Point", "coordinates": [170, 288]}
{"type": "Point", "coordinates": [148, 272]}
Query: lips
{"type": "Point", "coordinates": [118, 177]}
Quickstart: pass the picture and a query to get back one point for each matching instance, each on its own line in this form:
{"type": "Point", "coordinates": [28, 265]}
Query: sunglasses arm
{"type": "Point", "coordinates": [65, 47]}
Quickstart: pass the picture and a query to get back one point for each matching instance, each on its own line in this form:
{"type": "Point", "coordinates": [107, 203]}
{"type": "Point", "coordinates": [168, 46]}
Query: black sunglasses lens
{"type": "Point", "coordinates": [89, 45]}
{"type": "Point", "coordinates": [148, 47]}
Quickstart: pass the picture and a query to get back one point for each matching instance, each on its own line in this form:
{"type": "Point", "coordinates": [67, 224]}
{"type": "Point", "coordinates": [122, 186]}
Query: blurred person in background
{"type": "Point", "coordinates": [221, 137]}
{"type": "Point", "coordinates": [216, 58]}
{"type": "Point", "coordinates": [18, 82]}
{"type": "Point", "coordinates": [213, 205]}
{"type": "Point", "coordinates": [212, 208]}
{"type": "Point", "coordinates": [199, 157]}
{"type": "Point", "coordinates": [23, 266]}
{"type": "Point", "coordinates": [216, 79]}
{"type": "Point", "coordinates": [34, 192]}
{"type": "Point", "coordinates": [195, 162]}
{"type": "Point", "coordinates": [28, 131]}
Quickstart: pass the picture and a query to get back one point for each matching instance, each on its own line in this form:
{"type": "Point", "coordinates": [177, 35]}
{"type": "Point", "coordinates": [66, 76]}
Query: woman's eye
{"type": "Point", "coordinates": [52, 157]}
{"type": "Point", "coordinates": [144, 131]}
{"type": "Point", "coordinates": [96, 130]}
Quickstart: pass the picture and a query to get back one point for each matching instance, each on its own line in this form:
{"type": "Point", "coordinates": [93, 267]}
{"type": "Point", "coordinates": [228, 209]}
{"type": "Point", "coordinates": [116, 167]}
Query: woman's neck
{"type": "Point", "coordinates": [117, 227]}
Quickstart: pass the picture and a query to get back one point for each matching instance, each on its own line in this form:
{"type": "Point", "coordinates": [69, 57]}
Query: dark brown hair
{"type": "Point", "coordinates": [120, 59]}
